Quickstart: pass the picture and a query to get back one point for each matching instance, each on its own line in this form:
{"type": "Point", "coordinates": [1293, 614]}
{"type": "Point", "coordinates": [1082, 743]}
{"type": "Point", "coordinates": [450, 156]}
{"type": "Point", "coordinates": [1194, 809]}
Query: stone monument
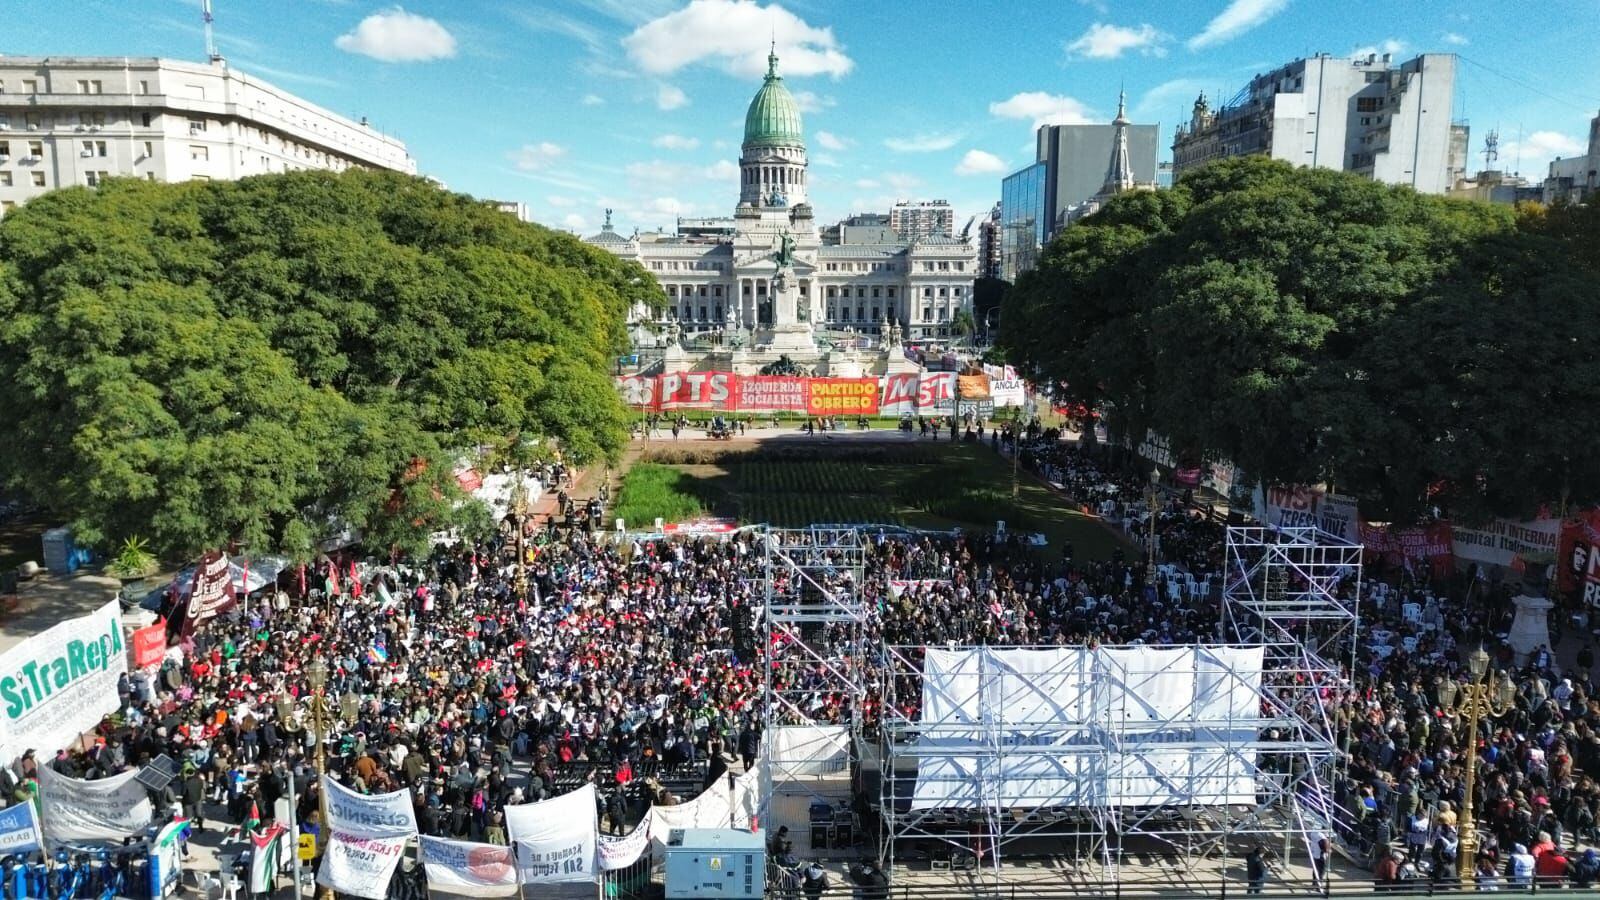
{"type": "Point", "coordinates": [1530, 630]}
{"type": "Point", "coordinates": [789, 333]}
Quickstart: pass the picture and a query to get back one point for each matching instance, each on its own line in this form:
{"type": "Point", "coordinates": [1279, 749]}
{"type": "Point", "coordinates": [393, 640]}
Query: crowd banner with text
{"type": "Point", "coordinates": [1503, 541]}
{"type": "Point", "coordinates": [917, 393]}
{"type": "Point", "coordinates": [1409, 547]}
{"type": "Point", "coordinates": [468, 869]}
{"type": "Point", "coordinates": [972, 387]}
{"type": "Point", "coordinates": [713, 808]}
{"type": "Point", "coordinates": [19, 830]}
{"type": "Point", "coordinates": [1308, 506]}
{"type": "Point", "coordinates": [622, 852]}
{"type": "Point", "coordinates": [1005, 387]}
{"type": "Point", "coordinates": [106, 809]}
{"type": "Point", "coordinates": [1578, 556]}
{"type": "Point", "coordinates": [555, 839]}
{"type": "Point", "coordinates": [60, 683]}
{"type": "Point", "coordinates": [367, 835]}
{"type": "Point", "coordinates": [841, 396]}
{"type": "Point", "coordinates": [149, 645]}
{"type": "Point", "coordinates": [730, 393]}
{"type": "Point", "coordinates": [212, 593]}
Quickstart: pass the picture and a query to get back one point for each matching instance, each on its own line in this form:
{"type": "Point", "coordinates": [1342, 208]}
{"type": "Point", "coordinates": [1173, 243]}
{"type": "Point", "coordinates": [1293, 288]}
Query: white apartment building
{"type": "Point", "coordinates": [76, 120]}
{"type": "Point", "coordinates": [924, 218]}
{"type": "Point", "coordinates": [1390, 122]}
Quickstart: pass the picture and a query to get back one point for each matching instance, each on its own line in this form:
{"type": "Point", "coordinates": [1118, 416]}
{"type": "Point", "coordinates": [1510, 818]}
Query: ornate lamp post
{"type": "Point", "coordinates": [1478, 696]}
{"type": "Point", "coordinates": [317, 676]}
{"type": "Point", "coordinates": [1153, 499]}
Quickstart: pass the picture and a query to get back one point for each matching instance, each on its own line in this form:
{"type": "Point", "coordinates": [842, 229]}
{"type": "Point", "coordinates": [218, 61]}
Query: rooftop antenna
{"type": "Point", "coordinates": [1491, 149]}
{"type": "Point", "coordinates": [211, 38]}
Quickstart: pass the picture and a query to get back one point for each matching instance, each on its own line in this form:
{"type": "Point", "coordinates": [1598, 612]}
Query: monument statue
{"type": "Point", "coordinates": [785, 255]}
{"type": "Point", "coordinates": [885, 332]}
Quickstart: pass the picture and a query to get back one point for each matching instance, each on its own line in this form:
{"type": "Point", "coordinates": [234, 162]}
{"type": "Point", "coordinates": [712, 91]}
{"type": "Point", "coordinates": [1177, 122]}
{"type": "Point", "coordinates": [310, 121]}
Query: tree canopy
{"type": "Point", "coordinates": [216, 362]}
{"type": "Point", "coordinates": [1315, 326]}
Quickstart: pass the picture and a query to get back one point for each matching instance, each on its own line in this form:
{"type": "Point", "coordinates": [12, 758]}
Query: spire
{"type": "Point", "coordinates": [1119, 174]}
{"type": "Point", "coordinates": [772, 60]}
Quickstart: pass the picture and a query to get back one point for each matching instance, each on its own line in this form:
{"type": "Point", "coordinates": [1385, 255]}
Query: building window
{"type": "Point", "coordinates": [941, 292]}
{"type": "Point", "coordinates": [149, 149]}
{"type": "Point", "coordinates": [32, 120]}
{"type": "Point", "coordinates": [876, 292]}
{"type": "Point", "coordinates": [927, 314]}
{"type": "Point", "coordinates": [5, 148]}
{"type": "Point", "coordinates": [927, 292]}
{"type": "Point", "coordinates": [861, 293]}
{"type": "Point", "coordinates": [144, 87]}
{"type": "Point", "coordinates": [30, 86]}
{"type": "Point", "coordinates": [5, 179]}
{"type": "Point", "coordinates": [955, 291]}
{"type": "Point", "coordinates": [877, 314]}
{"type": "Point", "coordinates": [199, 152]}
{"type": "Point", "coordinates": [197, 126]}
{"type": "Point", "coordinates": [891, 293]}
{"type": "Point", "coordinates": [716, 290]}
{"type": "Point", "coordinates": [93, 179]}
{"type": "Point", "coordinates": [1369, 104]}
{"type": "Point", "coordinates": [144, 120]}
{"type": "Point", "coordinates": [36, 149]}
{"type": "Point", "coordinates": [38, 179]}
{"type": "Point", "coordinates": [845, 314]}
{"type": "Point", "coordinates": [99, 148]}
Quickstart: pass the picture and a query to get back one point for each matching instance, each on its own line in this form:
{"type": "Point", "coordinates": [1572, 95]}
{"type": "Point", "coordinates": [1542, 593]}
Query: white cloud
{"type": "Point", "coordinates": [593, 100]}
{"type": "Point", "coordinates": [658, 172]}
{"type": "Point", "coordinates": [1235, 19]}
{"type": "Point", "coordinates": [978, 162]}
{"type": "Point", "coordinates": [669, 97]}
{"type": "Point", "coordinates": [902, 182]}
{"type": "Point", "coordinates": [533, 157]}
{"type": "Point", "coordinates": [394, 35]}
{"type": "Point", "coordinates": [574, 221]}
{"type": "Point", "coordinates": [561, 202]}
{"type": "Point", "coordinates": [868, 184]}
{"type": "Point", "coordinates": [671, 206]}
{"type": "Point", "coordinates": [827, 140]}
{"type": "Point", "coordinates": [1532, 155]}
{"type": "Point", "coordinates": [1454, 39]}
{"type": "Point", "coordinates": [721, 170]}
{"type": "Point", "coordinates": [1392, 46]}
{"type": "Point", "coordinates": [1042, 108]}
{"type": "Point", "coordinates": [922, 143]}
{"type": "Point", "coordinates": [811, 102]}
{"type": "Point", "coordinates": [734, 35]}
{"type": "Point", "coordinates": [676, 142]}
{"type": "Point", "coordinates": [1103, 41]}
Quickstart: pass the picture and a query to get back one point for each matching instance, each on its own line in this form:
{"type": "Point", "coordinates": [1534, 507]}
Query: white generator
{"type": "Point", "coordinates": [716, 864]}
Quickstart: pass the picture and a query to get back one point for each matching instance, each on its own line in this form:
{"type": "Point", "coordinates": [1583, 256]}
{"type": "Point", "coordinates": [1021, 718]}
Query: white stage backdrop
{"type": "Point", "coordinates": [1058, 713]}
{"type": "Point", "coordinates": [810, 749]}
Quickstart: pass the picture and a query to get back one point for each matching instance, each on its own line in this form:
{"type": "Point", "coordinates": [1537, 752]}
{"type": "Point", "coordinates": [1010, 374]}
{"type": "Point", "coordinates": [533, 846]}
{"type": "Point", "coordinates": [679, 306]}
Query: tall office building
{"type": "Point", "coordinates": [989, 240]}
{"type": "Point", "coordinates": [77, 120]}
{"type": "Point", "coordinates": [1072, 164]}
{"type": "Point", "coordinates": [1367, 115]}
{"type": "Point", "coordinates": [924, 218]}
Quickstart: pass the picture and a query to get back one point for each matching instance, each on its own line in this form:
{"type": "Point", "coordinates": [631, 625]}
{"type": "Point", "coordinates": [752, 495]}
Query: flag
{"type": "Point", "coordinates": [252, 820]}
{"type": "Point", "coordinates": [264, 860]}
{"type": "Point", "coordinates": [377, 653]}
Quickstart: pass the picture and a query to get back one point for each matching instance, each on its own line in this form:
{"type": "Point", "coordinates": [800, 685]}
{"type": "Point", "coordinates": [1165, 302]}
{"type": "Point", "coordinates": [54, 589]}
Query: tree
{"type": "Point", "coordinates": [961, 323]}
{"type": "Point", "coordinates": [209, 362]}
{"type": "Point", "coordinates": [1316, 326]}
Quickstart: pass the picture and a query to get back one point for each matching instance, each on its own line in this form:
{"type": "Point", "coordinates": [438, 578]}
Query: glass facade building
{"type": "Point", "coordinates": [1024, 219]}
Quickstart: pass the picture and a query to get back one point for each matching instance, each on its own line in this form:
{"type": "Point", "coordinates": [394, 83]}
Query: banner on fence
{"type": "Point", "coordinates": [555, 838]}
{"type": "Point", "coordinates": [107, 809]}
{"type": "Point", "coordinates": [19, 830]}
{"type": "Point", "coordinates": [468, 869]}
{"type": "Point", "coordinates": [1412, 547]}
{"type": "Point", "coordinates": [746, 795]}
{"type": "Point", "coordinates": [712, 809]}
{"type": "Point", "coordinates": [906, 393]}
{"type": "Point", "coordinates": [1502, 541]}
{"type": "Point", "coordinates": [1578, 556]}
{"type": "Point", "coordinates": [367, 834]}
{"type": "Point", "coordinates": [1005, 388]}
{"type": "Point", "coordinates": [622, 852]}
{"type": "Point", "coordinates": [917, 393]}
{"type": "Point", "coordinates": [59, 683]}
{"type": "Point", "coordinates": [1308, 506]}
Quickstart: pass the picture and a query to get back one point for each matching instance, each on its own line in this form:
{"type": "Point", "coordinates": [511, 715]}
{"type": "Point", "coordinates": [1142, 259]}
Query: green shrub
{"type": "Point", "coordinates": [652, 491]}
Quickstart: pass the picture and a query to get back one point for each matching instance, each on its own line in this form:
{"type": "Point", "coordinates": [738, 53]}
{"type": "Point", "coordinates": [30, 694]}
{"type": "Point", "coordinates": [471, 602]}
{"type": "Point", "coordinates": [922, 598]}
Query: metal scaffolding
{"type": "Point", "coordinates": [817, 626]}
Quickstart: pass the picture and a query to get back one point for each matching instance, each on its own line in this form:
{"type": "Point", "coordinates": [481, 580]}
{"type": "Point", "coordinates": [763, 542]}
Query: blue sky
{"type": "Point", "coordinates": [576, 105]}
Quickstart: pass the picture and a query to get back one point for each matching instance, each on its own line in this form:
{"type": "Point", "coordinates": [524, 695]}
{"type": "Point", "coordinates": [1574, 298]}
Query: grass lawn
{"type": "Point", "coordinates": [926, 485]}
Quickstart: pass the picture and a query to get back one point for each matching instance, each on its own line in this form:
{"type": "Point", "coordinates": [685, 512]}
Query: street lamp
{"type": "Point", "coordinates": [317, 676]}
{"type": "Point", "coordinates": [1479, 696]}
{"type": "Point", "coordinates": [285, 708]}
{"type": "Point", "coordinates": [519, 509]}
{"type": "Point", "coordinates": [1153, 499]}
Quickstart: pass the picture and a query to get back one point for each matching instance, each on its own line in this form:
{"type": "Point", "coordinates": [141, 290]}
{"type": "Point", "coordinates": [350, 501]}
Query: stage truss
{"type": "Point", "coordinates": [816, 625]}
{"type": "Point", "coordinates": [1292, 593]}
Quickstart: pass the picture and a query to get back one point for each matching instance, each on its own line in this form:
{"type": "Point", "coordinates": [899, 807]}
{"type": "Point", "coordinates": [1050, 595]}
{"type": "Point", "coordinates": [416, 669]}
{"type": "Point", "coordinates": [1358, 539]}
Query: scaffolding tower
{"type": "Point", "coordinates": [817, 625]}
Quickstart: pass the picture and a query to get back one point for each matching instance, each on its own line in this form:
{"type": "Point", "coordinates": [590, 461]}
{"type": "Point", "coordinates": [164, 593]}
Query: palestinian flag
{"type": "Point", "coordinates": [264, 859]}
{"type": "Point", "coordinates": [252, 820]}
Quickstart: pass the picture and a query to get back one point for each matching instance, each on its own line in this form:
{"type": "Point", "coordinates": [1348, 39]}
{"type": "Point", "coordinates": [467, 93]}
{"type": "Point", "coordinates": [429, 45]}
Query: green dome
{"type": "Point", "coordinates": [774, 117]}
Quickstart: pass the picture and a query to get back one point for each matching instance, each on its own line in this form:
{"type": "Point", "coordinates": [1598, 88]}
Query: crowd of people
{"type": "Point", "coordinates": [478, 680]}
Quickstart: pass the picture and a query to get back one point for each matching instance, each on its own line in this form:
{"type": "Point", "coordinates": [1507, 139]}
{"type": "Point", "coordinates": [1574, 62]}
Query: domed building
{"type": "Point", "coordinates": [718, 273]}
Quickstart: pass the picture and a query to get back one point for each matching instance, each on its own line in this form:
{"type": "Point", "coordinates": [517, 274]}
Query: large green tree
{"type": "Point", "coordinates": [1316, 326]}
{"type": "Point", "coordinates": [251, 361]}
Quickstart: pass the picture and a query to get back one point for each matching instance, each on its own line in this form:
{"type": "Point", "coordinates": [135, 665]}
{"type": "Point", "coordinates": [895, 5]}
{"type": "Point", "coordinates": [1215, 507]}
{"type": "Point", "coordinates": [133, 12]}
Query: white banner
{"type": "Point", "coordinates": [108, 809]}
{"type": "Point", "coordinates": [19, 829]}
{"type": "Point", "coordinates": [367, 834]}
{"type": "Point", "coordinates": [1308, 506]}
{"type": "Point", "coordinates": [712, 809]}
{"type": "Point", "coordinates": [1500, 541]}
{"type": "Point", "coordinates": [60, 683]}
{"type": "Point", "coordinates": [1005, 388]}
{"type": "Point", "coordinates": [810, 749]}
{"type": "Point", "coordinates": [1074, 705]}
{"type": "Point", "coordinates": [556, 838]}
{"type": "Point", "coordinates": [622, 852]}
{"type": "Point", "coordinates": [746, 800]}
{"type": "Point", "coordinates": [469, 869]}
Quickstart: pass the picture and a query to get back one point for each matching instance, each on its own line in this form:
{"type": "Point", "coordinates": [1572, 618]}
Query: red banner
{"type": "Point", "coordinates": [211, 593]}
{"type": "Point", "coordinates": [149, 645]}
{"type": "Point", "coordinates": [1578, 556]}
{"type": "Point", "coordinates": [727, 392]}
{"type": "Point", "coordinates": [1432, 543]}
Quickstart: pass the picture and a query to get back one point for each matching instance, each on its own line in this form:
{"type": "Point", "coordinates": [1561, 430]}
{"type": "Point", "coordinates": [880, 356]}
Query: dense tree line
{"type": "Point", "coordinates": [212, 362]}
{"type": "Point", "coordinates": [1315, 326]}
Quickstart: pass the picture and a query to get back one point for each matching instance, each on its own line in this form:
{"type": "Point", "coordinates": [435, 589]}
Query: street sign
{"type": "Point", "coordinates": [307, 849]}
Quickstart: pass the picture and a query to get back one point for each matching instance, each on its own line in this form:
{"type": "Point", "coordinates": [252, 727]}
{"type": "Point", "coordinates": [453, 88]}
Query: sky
{"type": "Point", "coordinates": [574, 106]}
